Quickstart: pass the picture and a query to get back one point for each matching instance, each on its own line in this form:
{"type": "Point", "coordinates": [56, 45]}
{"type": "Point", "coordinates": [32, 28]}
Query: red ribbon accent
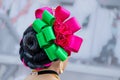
{"type": "Point", "coordinates": [64, 28]}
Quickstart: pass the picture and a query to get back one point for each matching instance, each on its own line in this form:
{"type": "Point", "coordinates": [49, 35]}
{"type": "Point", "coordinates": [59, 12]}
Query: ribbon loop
{"type": "Point", "coordinates": [48, 18]}
{"type": "Point", "coordinates": [75, 43]}
{"type": "Point", "coordinates": [73, 24]}
{"type": "Point", "coordinates": [61, 54]}
{"type": "Point", "coordinates": [46, 37]}
{"type": "Point", "coordinates": [38, 25]}
{"type": "Point", "coordinates": [41, 40]}
{"type": "Point", "coordinates": [61, 13]}
{"type": "Point", "coordinates": [48, 33]}
{"type": "Point", "coordinates": [55, 52]}
{"type": "Point", "coordinates": [51, 52]}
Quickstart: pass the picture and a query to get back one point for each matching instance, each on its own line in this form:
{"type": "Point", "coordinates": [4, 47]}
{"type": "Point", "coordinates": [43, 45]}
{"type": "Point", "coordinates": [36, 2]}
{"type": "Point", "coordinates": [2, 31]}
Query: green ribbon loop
{"type": "Point", "coordinates": [51, 52]}
{"type": "Point", "coordinates": [38, 25]}
{"type": "Point", "coordinates": [56, 52]}
{"type": "Point", "coordinates": [45, 36]}
{"type": "Point", "coordinates": [48, 18]}
{"type": "Point", "coordinates": [41, 40]}
{"type": "Point", "coordinates": [61, 54]}
{"type": "Point", "coordinates": [48, 33]}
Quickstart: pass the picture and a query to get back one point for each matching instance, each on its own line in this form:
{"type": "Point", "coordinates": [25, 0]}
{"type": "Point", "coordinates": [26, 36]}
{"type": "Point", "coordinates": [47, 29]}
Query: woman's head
{"type": "Point", "coordinates": [50, 39]}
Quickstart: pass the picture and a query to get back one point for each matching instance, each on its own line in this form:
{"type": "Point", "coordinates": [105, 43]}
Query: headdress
{"type": "Point", "coordinates": [50, 37]}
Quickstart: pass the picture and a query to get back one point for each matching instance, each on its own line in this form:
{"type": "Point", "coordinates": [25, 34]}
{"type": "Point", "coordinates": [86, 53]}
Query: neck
{"type": "Point", "coordinates": [48, 69]}
{"type": "Point", "coordinates": [48, 72]}
{"type": "Point", "coordinates": [54, 69]}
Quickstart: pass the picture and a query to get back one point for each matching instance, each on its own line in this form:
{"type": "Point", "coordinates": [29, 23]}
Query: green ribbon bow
{"type": "Point", "coordinates": [45, 36]}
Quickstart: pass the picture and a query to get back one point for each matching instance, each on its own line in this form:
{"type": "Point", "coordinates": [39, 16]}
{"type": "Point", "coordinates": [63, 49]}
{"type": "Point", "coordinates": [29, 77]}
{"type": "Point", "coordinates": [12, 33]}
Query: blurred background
{"type": "Point", "coordinates": [99, 56]}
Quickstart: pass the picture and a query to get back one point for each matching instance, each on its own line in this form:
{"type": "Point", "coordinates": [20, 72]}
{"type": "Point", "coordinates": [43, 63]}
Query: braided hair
{"type": "Point", "coordinates": [30, 53]}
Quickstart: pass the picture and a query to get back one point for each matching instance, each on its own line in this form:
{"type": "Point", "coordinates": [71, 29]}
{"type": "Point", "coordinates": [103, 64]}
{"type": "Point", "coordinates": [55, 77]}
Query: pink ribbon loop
{"type": "Point", "coordinates": [72, 24]}
{"type": "Point", "coordinates": [75, 43]}
{"type": "Point", "coordinates": [61, 13]}
{"type": "Point", "coordinates": [38, 12]}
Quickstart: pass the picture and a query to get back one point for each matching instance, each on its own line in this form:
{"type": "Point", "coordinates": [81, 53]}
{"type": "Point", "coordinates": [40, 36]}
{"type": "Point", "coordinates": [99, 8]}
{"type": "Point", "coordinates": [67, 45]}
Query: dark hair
{"type": "Point", "coordinates": [30, 52]}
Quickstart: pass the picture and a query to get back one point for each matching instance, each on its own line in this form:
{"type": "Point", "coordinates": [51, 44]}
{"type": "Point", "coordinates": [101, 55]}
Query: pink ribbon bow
{"type": "Point", "coordinates": [64, 28]}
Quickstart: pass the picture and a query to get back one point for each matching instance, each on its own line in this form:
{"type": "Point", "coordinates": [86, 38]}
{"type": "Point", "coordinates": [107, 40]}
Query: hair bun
{"type": "Point", "coordinates": [30, 42]}
{"type": "Point", "coordinates": [30, 52]}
